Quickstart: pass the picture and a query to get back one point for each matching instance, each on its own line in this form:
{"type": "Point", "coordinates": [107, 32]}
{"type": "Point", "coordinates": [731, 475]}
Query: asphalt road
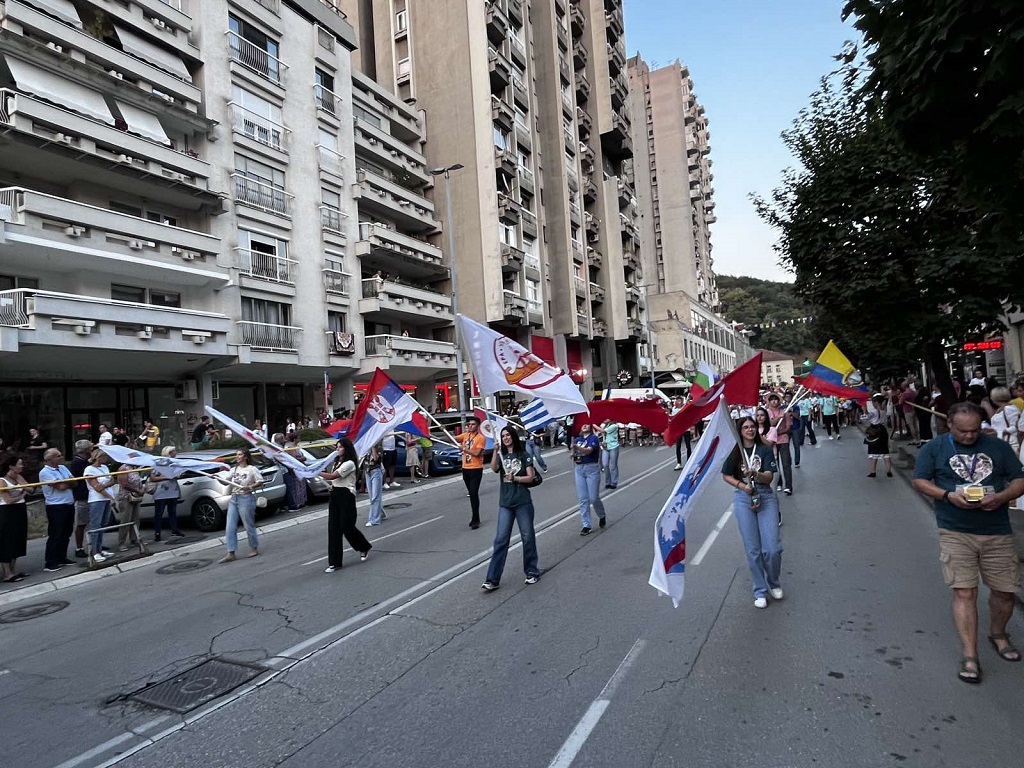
{"type": "Point", "coordinates": [403, 661]}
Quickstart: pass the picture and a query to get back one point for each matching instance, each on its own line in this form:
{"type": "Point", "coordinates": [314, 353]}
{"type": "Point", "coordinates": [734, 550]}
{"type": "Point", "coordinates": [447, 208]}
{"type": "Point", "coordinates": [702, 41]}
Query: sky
{"type": "Point", "coordinates": [754, 64]}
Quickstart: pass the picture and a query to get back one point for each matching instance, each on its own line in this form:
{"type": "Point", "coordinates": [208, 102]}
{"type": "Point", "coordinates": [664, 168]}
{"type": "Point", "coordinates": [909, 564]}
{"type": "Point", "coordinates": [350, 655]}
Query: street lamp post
{"type": "Point", "coordinates": [647, 335]}
{"type": "Point", "coordinates": [446, 173]}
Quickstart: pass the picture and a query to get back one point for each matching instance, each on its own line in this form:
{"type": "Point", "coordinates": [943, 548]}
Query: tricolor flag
{"type": "Point", "coordinates": [385, 408]}
{"type": "Point", "coordinates": [702, 468]}
{"type": "Point", "coordinates": [167, 466]}
{"type": "Point", "coordinates": [272, 450]}
{"type": "Point", "coordinates": [834, 374]}
{"type": "Point", "coordinates": [740, 386]}
{"type": "Point", "coordinates": [501, 364]}
{"type": "Point", "coordinates": [703, 381]}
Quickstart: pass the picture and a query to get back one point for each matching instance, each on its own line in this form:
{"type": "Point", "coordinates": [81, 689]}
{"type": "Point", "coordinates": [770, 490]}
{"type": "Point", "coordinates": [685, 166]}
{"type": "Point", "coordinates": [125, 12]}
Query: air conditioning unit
{"type": "Point", "coordinates": [125, 159]}
{"type": "Point", "coordinates": [145, 333]}
{"type": "Point", "coordinates": [158, 23]}
{"type": "Point", "coordinates": [135, 245]}
{"type": "Point", "coordinates": [404, 203]}
{"type": "Point", "coordinates": [371, 141]}
{"type": "Point", "coordinates": [83, 330]}
{"type": "Point", "coordinates": [64, 138]}
{"type": "Point", "coordinates": [189, 255]}
{"type": "Point", "coordinates": [74, 231]}
{"type": "Point", "coordinates": [115, 73]}
{"type": "Point", "coordinates": [55, 47]}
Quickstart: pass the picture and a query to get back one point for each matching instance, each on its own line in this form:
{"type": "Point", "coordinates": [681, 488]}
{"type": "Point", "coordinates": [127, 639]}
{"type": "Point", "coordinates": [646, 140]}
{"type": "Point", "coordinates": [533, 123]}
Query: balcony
{"type": "Point", "coordinates": [579, 286]}
{"type": "Point", "coordinates": [596, 293]}
{"type": "Point", "coordinates": [264, 197]}
{"type": "Point", "coordinates": [589, 188]}
{"type": "Point", "coordinates": [269, 337]}
{"type": "Point", "coordinates": [526, 181]}
{"type": "Point", "coordinates": [577, 20]}
{"type": "Point", "coordinates": [326, 100]}
{"type": "Point", "coordinates": [517, 49]}
{"type": "Point", "coordinates": [592, 224]}
{"type": "Point", "coordinates": [578, 249]}
{"type": "Point", "coordinates": [580, 54]}
{"type": "Point", "coordinates": [599, 327]}
{"type": "Point", "coordinates": [256, 59]}
{"type": "Point", "coordinates": [397, 253]}
{"type": "Point", "coordinates": [499, 68]}
{"type": "Point", "coordinates": [575, 214]}
{"type": "Point", "coordinates": [75, 236]}
{"type": "Point", "coordinates": [44, 130]}
{"type": "Point", "coordinates": [584, 122]}
{"type": "Point", "coordinates": [511, 258]}
{"type": "Point", "coordinates": [631, 258]}
{"type": "Point", "coordinates": [636, 327]}
{"type": "Point", "coordinates": [266, 266]}
{"type": "Point", "coordinates": [582, 86]}
{"type": "Point", "coordinates": [515, 11]}
{"type": "Point", "coordinates": [52, 319]}
{"type": "Point", "coordinates": [336, 282]}
{"type": "Point", "coordinates": [408, 356]}
{"type": "Point", "coordinates": [501, 113]}
{"type": "Point", "coordinates": [613, 20]}
{"type": "Point", "coordinates": [505, 161]}
{"type": "Point", "coordinates": [563, 36]}
{"type": "Point", "coordinates": [534, 313]}
{"type": "Point", "coordinates": [508, 209]}
{"type": "Point", "coordinates": [389, 151]}
{"type": "Point", "coordinates": [529, 220]}
{"type": "Point", "coordinates": [331, 161]}
{"type": "Point", "coordinates": [497, 23]}
{"type": "Point", "coordinates": [258, 128]}
{"type": "Point", "coordinates": [594, 257]}
{"type": "Point", "coordinates": [567, 104]}
{"type": "Point", "coordinates": [145, 72]}
{"type": "Point", "coordinates": [333, 221]}
{"type": "Point", "coordinates": [520, 95]}
{"type": "Point", "coordinates": [616, 59]}
{"type": "Point", "coordinates": [418, 305]}
{"type": "Point", "coordinates": [583, 323]}
{"type": "Point", "coordinates": [395, 201]}
{"type": "Point", "coordinates": [515, 306]}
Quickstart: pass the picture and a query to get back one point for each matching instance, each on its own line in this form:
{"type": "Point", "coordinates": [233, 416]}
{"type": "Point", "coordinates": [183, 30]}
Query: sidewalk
{"type": "Point", "coordinates": [904, 457]}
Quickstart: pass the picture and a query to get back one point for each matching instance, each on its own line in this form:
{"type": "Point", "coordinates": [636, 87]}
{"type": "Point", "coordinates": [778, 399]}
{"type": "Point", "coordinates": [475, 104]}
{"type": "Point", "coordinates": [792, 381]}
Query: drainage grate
{"type": "Point", "coordinates": [398, 505]}
{"type": "Point", "coordinates": [196, 686]}
{"type": "Point", "coordinates": [183, 566]}
{"type": "Point", "coordinates": [33, 611]}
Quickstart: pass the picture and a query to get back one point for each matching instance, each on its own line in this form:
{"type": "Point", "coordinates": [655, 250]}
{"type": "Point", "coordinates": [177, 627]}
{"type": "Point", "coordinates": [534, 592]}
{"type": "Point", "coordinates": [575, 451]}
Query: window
{"type": "Point", "coordinates": [324, 91]}
{"type": "Point", "coordinates": [261, 311]}
{"type": "Point", "coordinates": [502, 140]}
{"type": "Point", "coordinates": [508, 234]}
{"type": "Point", "coordinates": [533, 294]}
{"type": "Point", "coordinates": [8, 282]}
{"type": "Point", "coordinates": [330, 211]}
{"type": "Point", "coordinates": [136, 295]}
{"type": "Point", "coordinates": [257, 118]}
{"type": "Point", "coordinates": [252, 48]}
{"type": "Point", "coordinates": [401, 21]}
{"type": "Point", "coordinates": [259, 185]}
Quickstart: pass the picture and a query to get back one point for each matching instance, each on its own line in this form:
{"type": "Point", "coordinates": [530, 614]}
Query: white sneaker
{"type": "Point", "coordinates": [386, 485]}
{"type": "Point", "coordinates": [98, 558]}
{"type": "Point", "coordinates": [761, 602]}
{"type": "Point", "coordinates": [396, 485]}
{"type": "Point", "coordinates": [330, 569]}
{"type": "Point", "coordinates": [776, 593]}
{"type": "Point", "coordinates": [830, 437]}
{"type": "Point", "coordinates": [678, 466]}
{"type": "Point", "coordinates": [370, 525]}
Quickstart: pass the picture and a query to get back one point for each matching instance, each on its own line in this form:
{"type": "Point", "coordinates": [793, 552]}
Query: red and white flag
{"type": "Point", "coordinates": [740, 386]}
{"type": "Point", "coordinates": [385, 408]}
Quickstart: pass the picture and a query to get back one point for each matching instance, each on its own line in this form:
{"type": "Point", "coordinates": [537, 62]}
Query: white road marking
{"type": "Point", "coordinates": [711, 537]}
{"type": "Point", "coordinates": [572, 746]}
{"type": "Point", "coordinates": [381, 538]}
{"type": "Point", "coordinates": [290, 657]}
{"type": "Point", "coordinates": [5, 671]}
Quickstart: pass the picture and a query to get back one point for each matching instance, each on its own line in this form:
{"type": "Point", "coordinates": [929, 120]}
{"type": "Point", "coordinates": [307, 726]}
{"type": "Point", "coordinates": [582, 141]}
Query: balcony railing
{"type": "Point", "coordinates": [387, 345]}
{"type": "Point", "coordinates": [266, 266]}
{"type": "Point", "coordinates": [269, 337]}
{"type": "Point", "coordinates": [579, 284]}
{"type": "Point", "coordinates": [332, 219]}
{"type": "Point", "coordinates": [336, 281]}
{"type": "Point", "coordinates": [256, 59]}
{"type": "Point", "coordinates": [331, 160]}
{"type": "Point", "coordinates": [531, 261]}
{"type": "Point", "coordinates": [257, 194]}
{"type": "Point", "coordinates": [258, 128]}
{"type": "Point", "coordinates": [13, 312]}
{"type": "Point", "coordinates": [326, 99]}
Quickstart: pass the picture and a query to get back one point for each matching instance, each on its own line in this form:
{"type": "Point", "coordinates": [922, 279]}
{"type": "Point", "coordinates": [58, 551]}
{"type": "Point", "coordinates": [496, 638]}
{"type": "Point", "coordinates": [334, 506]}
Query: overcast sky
{"type": "Point", "coordinates": [754, 64]}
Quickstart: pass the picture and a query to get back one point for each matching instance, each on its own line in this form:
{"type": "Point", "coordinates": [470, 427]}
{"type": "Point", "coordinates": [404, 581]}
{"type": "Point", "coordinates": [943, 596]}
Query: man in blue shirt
{"type": "Point", "coordinates": [60, 509]}
{"type": "Point", "coordinates": [972, 478]}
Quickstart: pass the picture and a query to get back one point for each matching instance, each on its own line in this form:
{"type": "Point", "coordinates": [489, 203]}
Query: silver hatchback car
{"type": "Point", "coordinates": [204, 501]}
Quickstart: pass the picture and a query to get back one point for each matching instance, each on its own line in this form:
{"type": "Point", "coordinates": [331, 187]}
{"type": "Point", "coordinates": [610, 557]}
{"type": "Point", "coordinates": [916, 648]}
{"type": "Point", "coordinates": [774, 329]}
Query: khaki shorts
{"type": "Point", "coordinates": [81, 512]}
{"type": "Point", "coordinates": [965, 555]}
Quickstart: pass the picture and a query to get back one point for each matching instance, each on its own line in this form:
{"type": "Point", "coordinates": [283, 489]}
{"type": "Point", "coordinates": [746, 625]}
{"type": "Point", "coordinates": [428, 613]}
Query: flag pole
{"type": "Point", "coordinates": [454, 443]}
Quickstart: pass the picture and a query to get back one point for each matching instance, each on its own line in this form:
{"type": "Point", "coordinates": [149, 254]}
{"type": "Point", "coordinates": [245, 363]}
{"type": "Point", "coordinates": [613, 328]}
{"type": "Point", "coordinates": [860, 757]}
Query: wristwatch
{"type": "Point", "coordinates": [945, 497]}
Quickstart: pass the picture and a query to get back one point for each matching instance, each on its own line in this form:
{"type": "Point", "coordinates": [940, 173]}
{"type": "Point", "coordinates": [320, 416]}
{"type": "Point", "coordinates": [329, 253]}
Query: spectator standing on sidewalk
{"type": "Point", "coordinates": [341, 514]}
{"type": "Point", "coordinates": [586, 454]}
{"type": "Point", "coordinates": [150, 437]}
{"type": "Point", "coordinates": [533, 450]}
{"type": "Point", "coordinates": [165, 498]}
{"type": "Point", "coordinates": [389, 449]}
{"type": "Point", "coordinates": [972, 477]}
{"type": "Point", "coordinates": [13, 518]}
{"type": "Point", "coordinates": [80, 491]}
{"type": "Point", "coordinates": [473, 445]}
{"type": "Point", "coordinates": [101, 497]}
{"type": "Point", "coordinates": [610, 453]}
{"type": "Point", "coordinates": [243, 479]}
{"type": "Point", "coordinates": [515, 471]}
{"type": "Point", "coordinates": [129, 499]}
{"type": "Point", "coordinates": [60, 509]}
{"type": "Point", "coordinates": [412, 456]}
{"type": "Point", "coordinates": [106, 438]}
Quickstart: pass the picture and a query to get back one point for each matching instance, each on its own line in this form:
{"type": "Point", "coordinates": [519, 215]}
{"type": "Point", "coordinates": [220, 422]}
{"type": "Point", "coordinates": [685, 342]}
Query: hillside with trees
{"type": "Point", "coordinates": [772, 311]}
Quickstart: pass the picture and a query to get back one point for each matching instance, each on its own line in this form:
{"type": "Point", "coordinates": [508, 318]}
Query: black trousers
{"type": "Point", "coordinates": [831, 423]}
{"type": "Point", "coordinates": [472, 478]}
{"type": "Point", "coordinates": [341, 522]}
{"type": "Point", "coordinates": [60, 520]}
{"type": "Point", "coordinates": [679, 444]}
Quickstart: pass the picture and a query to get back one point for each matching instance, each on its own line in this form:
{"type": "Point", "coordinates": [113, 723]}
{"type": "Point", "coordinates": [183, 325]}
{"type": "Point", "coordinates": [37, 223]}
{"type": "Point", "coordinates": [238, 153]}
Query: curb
{"type": "Point", "coordinates": [77, 579]}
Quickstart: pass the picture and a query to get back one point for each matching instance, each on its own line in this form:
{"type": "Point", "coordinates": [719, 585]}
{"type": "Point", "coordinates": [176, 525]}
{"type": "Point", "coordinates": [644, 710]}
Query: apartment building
{"type": "Point", "coordinates": [675, 194]}
{"type": "Point", "coordinates": [176, 212]}
{"type": "Point", "coordinates": [520, 94]}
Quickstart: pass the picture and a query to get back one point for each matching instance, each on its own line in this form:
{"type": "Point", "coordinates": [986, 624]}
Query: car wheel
{"type": "Point", "coordinates": [207, 516]}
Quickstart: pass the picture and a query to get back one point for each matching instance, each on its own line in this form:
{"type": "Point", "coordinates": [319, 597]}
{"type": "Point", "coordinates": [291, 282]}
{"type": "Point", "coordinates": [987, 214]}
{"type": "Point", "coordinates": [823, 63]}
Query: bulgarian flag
{"type": "Point", "coordinates": [703, 381]}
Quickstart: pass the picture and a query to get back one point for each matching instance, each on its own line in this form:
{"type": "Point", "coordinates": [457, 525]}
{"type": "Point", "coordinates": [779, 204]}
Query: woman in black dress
{"type": "Point", "coordinates": [341, 513]}
{"type": "Point", "coordinates": [924, 419]}
{"type": "Point", "coordinates": [13, 518]}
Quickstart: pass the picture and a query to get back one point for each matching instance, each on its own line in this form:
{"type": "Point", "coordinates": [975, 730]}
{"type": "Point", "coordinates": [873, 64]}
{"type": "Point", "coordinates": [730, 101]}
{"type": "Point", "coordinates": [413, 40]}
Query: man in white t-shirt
{"type": "Point", "coordinates": [106, 438]}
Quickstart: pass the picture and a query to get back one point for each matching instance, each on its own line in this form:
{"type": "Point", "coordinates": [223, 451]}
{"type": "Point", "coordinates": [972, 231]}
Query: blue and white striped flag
{"type": "Point", "coordinates": [535, 416]}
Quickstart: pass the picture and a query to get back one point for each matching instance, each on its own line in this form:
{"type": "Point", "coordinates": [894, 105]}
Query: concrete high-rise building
{"type": "Point", "coordinates": [672, 170]}
{"type": "Point", "coordinates": [530, 96]}
{"type": "Point", "coordinates": [176, 213]}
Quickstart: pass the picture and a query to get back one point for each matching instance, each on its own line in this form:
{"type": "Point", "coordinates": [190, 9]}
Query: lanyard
{"type": "Point", "coordinates": [962, 463]}
{"type": "Point", "coordinates": [750, 456]}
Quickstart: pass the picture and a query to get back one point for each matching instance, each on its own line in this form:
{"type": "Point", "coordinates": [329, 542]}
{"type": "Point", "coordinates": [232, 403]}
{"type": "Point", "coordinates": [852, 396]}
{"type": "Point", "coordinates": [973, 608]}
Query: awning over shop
{"type": "Point", "coordinates": [54, 88]}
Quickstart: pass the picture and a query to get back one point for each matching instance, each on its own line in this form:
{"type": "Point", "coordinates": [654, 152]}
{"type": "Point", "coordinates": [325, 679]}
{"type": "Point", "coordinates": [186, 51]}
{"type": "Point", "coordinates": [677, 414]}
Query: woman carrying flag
{"type": "Point", "coordinates": [341, 514]}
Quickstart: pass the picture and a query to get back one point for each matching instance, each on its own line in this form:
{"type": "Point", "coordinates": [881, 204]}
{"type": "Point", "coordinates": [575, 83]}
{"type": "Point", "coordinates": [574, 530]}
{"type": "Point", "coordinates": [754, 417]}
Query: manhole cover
{"type": "Point", "coordinates": [398, 505]}
{"type": "Point", "coordinates": [33, 611]}
{"type": "Point", "coordinates": [196, 686]}
{"type": "Point", "coordinates": [184, 566]}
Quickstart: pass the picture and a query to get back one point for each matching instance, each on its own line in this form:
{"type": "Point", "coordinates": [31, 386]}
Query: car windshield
{"type": "Point", "coordinates": [319, 451]}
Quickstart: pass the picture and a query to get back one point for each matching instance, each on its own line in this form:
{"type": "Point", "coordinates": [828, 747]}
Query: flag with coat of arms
{"type": "Point", "coordinates": [385, 408]}
{"type": "Point", "coordinates": [668, 574]}
{"type": "Point", "coordinates": [501, 364]}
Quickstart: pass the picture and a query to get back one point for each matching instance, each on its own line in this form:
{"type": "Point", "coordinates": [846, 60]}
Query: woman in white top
{"type": "Point", "coordinates": [341, 515]}
{"type": "Point", "coordinates": [13, 518]}
{"type": "Point", "coordinates": [243, 479]}
{"type": "Point", "coordinates": [101, 496]}
{"type": "Point", "coordinates": [1006, 418]}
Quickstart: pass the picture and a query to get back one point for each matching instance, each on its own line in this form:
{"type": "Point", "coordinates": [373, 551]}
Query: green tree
{"type": "Point", "coordinates": [880, 241]}
{"type": "Point", "coordinates": [947, 76]}
{"type": "Point", "coordinates": [760, 303]}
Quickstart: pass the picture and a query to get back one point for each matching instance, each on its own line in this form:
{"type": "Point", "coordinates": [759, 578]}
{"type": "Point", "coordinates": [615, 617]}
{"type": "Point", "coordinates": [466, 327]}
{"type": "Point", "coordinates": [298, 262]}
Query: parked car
{"type": "Point", "coordinates": [316, 486]}
{"type": "Point", "coordinates": [205, 501]}
{"type": "Point", "coordinates": [445, 458]}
